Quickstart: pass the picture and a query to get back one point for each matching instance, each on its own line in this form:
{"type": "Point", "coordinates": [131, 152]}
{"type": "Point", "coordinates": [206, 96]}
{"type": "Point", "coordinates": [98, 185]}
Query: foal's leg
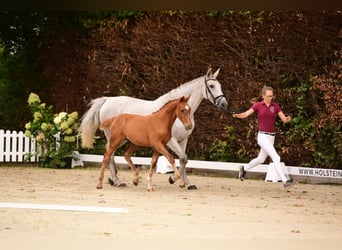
{"type": "Point", "coordinates": [154, 160]}
{"type": "Point", "coordinates": [162, 149]}
{"type": "Point", "coordinates": [106, 159]}
{"type": "Point", "coordinates": [113, 144]}
{"type": "Point", "coordinates": [127, 154]}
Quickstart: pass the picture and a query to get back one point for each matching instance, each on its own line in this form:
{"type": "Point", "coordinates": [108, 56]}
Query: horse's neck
{"type": "Point", "coordinates": [193, 88]}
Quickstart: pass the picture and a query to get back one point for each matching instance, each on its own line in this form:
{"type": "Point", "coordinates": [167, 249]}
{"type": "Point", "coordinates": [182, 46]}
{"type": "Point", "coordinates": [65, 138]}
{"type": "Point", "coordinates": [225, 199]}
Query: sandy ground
{"type": "Point", "coordinates": [221, 208]}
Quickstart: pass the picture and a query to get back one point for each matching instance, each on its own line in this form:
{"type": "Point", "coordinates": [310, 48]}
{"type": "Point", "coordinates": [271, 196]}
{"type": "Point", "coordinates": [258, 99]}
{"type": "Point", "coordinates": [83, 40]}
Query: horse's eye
{"type": "Point", "coordinates": [211, 86]}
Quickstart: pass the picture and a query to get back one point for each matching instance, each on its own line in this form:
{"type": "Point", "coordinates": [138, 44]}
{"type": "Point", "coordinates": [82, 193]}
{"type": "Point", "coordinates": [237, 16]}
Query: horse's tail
{"type": "Point", "coordinates": [90, 122]}
{"type": "Point", "coordinates": [106, 123]}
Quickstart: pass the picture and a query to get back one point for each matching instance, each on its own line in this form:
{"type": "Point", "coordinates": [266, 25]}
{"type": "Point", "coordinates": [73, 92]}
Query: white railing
{"type": "Point", "coordinates": [15, 145]}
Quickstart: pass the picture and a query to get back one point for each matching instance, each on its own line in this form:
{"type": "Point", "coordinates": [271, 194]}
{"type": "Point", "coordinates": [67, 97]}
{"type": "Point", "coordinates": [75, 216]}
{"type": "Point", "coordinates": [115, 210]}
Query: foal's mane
{"type": "Point", "coordinates": [163, 107]}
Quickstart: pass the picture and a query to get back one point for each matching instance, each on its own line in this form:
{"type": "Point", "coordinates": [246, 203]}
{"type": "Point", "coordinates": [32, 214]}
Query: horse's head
{"type": "Point", "coordinates": [183, 112]}
{"type": "Point", "coordinates": [213, 91]}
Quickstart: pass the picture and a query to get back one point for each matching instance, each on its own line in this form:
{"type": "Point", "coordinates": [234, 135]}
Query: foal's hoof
{"type": "Point", "coordinates": [182, 186]}
{"type": "Point", "coordinates": [135, 183]}
{"type": "Point", "coordinates": [99, 187]}
{"type": "Point", "coordinates": [172, 180]}
{"type": "Point", "coordinates": [192, 187]}
{"type": "Point", "coordinates": [150, 189]}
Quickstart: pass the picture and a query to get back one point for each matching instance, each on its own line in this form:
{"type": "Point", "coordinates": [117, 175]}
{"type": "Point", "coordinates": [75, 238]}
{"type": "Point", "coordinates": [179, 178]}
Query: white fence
{"type": "Point", "coordinates": [14, 145]}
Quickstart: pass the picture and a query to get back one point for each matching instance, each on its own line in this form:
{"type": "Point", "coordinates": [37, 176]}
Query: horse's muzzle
{"type": "Point", "coordinates": [222, 103]}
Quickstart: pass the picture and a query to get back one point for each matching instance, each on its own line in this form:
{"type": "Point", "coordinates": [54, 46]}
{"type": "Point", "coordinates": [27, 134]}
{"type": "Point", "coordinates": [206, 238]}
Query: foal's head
{"type": "Point", "coordinates": [183, 111]}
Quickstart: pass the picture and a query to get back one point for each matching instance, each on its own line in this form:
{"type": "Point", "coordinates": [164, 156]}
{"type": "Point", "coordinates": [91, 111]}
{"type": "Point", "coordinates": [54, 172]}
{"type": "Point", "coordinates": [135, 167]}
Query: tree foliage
{"type": "Point", "coordinates": [70, 58]}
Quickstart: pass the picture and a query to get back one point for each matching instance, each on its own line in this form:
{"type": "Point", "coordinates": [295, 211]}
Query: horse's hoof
{"type": "Point", "coordinates": [192, 187]}
{"type": "Point", "coordinates": [98, 187]}
{"type": "Point", "coordinates": [122, 184]}
{"type": "Point", "coordinates": [171, 180]}
{"type": "Point", "coordinates": [135, 183]}
{"type": "Point", "coordinates": [111, 182]}
{"type": "Point", "coordinates": [150, 189]}
{"type": "Point", "coordinates": [182, 186]}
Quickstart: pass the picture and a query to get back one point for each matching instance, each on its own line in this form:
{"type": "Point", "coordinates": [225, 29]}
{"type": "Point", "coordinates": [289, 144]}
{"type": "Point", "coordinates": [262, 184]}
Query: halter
{"type": "Point", "coordinates": [216, 99]}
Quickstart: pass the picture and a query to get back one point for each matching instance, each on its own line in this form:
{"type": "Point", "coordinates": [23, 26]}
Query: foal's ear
{"type": "Point", "coordinates": [184, 98]}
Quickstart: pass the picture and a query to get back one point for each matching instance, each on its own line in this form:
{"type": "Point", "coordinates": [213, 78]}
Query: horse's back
{"type": "Point", "coordinates": [117, 105]}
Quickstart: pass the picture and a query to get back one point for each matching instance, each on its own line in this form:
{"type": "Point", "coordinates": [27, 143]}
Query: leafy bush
{"type": "Point", "coordinates": [225, 149]}
{"type": "Point", "coordinates": [55, 134]}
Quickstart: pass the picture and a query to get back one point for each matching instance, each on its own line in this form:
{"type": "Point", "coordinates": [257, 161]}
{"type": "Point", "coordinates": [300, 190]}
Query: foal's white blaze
{"type": "Point", "coordinates": [187, 107]}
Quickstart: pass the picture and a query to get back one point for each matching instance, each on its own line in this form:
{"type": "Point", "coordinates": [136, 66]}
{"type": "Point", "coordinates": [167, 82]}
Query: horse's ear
{"type": "Point", "coordinates": [216, 73]}
{"type": "Point", "coordinates": [209, 72]}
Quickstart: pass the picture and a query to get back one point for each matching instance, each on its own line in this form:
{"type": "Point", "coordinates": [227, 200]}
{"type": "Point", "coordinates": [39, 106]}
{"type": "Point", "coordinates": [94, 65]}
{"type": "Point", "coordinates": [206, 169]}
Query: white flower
{"type": "Point", "coordinates": [28, 125]}
{"type": "Point", "coordinates": [33, 98]}
{"type": "Point", "coordinates": [69, 138]}
{"type": "Point", "coordinates": [44, 126]}
{"type": "Point", "coordinates": [74, 115]}
{"type": "Point", "coordinates": [68, 131]}
{"type": "Point", "coordinates": [62, 114]}
{"type": "Point", "coordinates": [37, 116]}
{"type": "Point", "coordinates": [64, 125]}
{"type": "Point", "coordinates": [57, 120]}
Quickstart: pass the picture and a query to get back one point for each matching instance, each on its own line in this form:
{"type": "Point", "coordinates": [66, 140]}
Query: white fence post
{"type": "Point", "coordinates": [15, 145]}
{"type": "Point", "coordinates": [7, 146]}
{"type": "Point", "coordinates": [2, 143]}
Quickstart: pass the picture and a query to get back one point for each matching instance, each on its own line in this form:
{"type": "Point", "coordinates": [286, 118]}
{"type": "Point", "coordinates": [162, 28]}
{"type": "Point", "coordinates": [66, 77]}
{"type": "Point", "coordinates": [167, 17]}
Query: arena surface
{"type": "Point", "coordinates": [221, 208]}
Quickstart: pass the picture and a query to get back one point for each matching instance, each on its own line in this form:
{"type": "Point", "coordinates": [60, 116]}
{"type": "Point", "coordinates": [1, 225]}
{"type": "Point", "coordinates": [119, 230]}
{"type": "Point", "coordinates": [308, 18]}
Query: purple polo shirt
{"type": "Point", "coordinates": [266, 115]}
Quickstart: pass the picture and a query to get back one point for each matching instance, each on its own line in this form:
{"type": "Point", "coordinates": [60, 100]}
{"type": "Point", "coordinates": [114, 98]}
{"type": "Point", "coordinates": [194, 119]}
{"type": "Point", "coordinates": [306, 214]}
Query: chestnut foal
{"type": "Point", "coordinates": [152, 130]}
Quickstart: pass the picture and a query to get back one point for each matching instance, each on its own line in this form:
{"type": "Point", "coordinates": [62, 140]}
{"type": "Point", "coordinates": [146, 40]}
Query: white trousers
{"type": "Point", "coordinates": [266, 143]}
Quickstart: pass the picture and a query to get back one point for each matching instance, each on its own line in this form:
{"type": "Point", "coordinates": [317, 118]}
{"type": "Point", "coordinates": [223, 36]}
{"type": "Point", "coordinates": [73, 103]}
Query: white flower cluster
{"type": "Point", "coordinates": [67, 124]}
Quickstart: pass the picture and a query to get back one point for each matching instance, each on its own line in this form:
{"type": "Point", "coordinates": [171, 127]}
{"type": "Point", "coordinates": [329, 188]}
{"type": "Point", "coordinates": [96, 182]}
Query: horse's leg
{"type": "Point", "coordinates": [113, 169]}
{"type": "Point", "coordinates": [154, 160]}
{"type": "Point", "coordinates": [127, 154]}
{"type": "Point", "coordinates": [182, 163]}
{"type": "Point", "coordinates": [162, 149]}
{"type": "Point", "coordinates": [179, 149]}
{"type": "Point", "coordinates": [114, 179]}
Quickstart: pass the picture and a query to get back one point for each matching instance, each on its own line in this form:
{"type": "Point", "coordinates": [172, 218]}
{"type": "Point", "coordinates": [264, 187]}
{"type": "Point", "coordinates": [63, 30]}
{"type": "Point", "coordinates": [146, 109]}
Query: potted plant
{"type": "Point", "coordinates": [55, 134]}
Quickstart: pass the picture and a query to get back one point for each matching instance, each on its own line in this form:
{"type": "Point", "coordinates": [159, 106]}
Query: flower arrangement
{"type": "Point", "coordinates": [55, 134]}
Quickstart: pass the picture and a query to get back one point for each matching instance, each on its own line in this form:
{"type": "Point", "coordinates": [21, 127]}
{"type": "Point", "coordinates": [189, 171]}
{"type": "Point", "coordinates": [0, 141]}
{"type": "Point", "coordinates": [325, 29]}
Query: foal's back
{"type": "Point", "coordinates": [138, 129]}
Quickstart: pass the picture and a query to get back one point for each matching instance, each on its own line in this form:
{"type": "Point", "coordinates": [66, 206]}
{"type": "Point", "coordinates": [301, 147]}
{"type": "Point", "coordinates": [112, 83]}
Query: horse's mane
{"type": "Point", "coordinates": [184, 85]}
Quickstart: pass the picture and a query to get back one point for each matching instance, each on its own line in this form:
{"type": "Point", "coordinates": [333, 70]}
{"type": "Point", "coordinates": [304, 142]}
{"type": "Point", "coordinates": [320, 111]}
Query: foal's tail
{"type": "Point", "coordinates": [106, 123]}
{"type": "Point", "coordinates": [90, 121]}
